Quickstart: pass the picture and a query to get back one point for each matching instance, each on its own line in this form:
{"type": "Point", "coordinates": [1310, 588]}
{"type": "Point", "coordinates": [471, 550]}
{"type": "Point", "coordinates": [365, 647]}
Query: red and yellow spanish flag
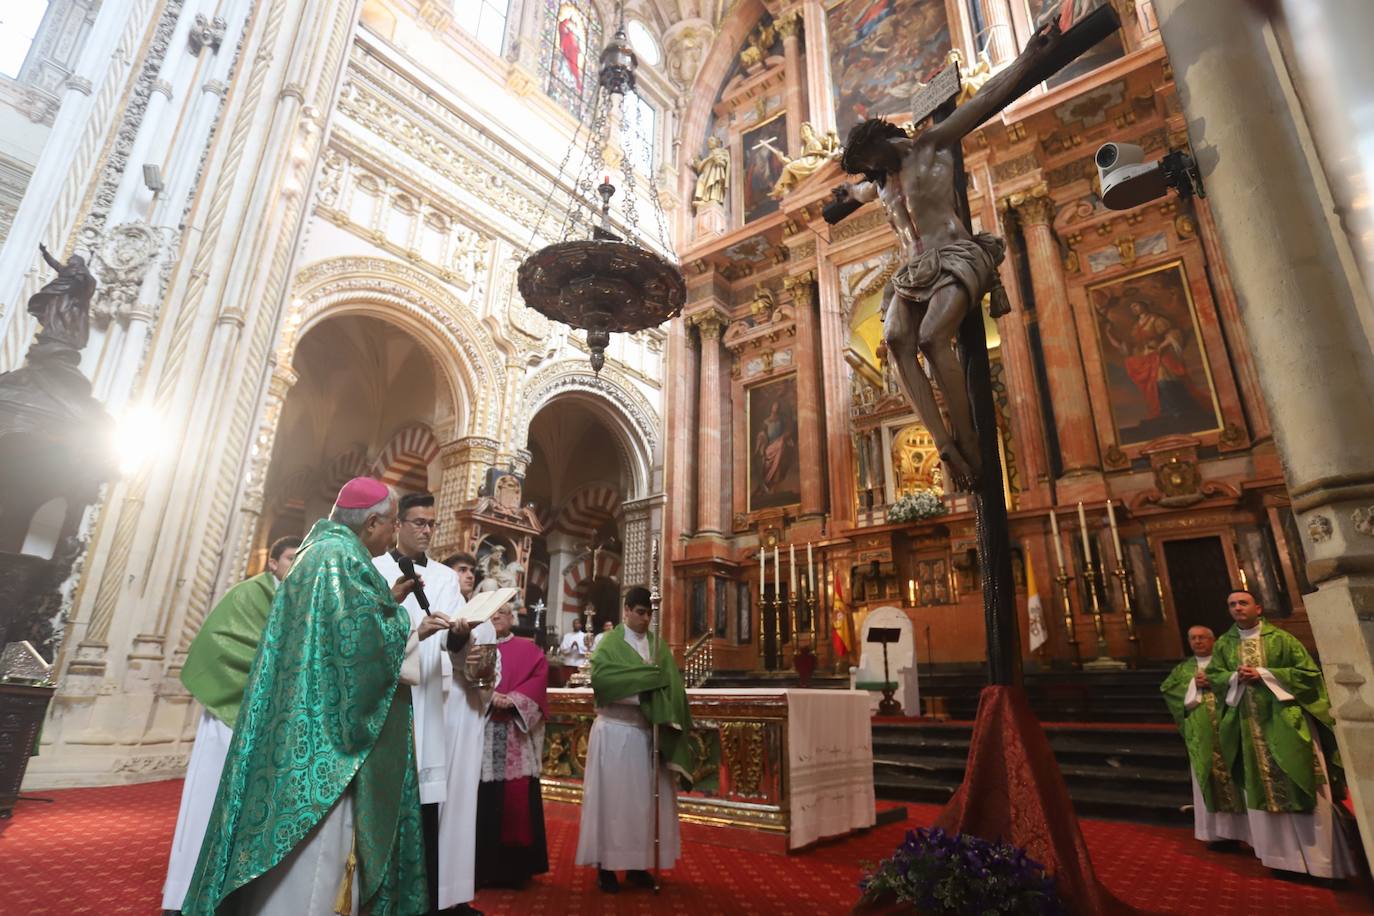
{"type": "Point", "coordinates": [839, 629]}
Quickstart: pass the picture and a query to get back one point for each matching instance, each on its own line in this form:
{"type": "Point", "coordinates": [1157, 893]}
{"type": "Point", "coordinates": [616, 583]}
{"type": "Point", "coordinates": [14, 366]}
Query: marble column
{"type": "Point", "coordinates": [1027, 421]}
{"type": "Point", "coordinates": [1073, 415]}
{"type": "Point", "coordinates": [834, 328]}
{"type": "Point", "coordinates": [1301, 301]}
{"type": "Point", "coordinates": [819, 80]}
{"type": "Point", "coordinates": [1000, 37]}
{"type": "Point", "coordinates": [810, 418]}
{"type": "Point", "coordinates": [789, 26]}
{"type": "Point", "coordinates": [710, 505]}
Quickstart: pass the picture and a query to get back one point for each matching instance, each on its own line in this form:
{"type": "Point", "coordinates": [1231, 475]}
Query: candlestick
{"type": "Point", "coordinates": [1058, 548]}
{"type": "Point", "coordinates": [1116, 535]}
{"type": "Point", "coordinates": [763, 570]}
{"type": "Point", "coordinates": [777, 575]}
{"type": "Point", "coordinates": [792, 567]}
{"type": "Point", "coordinates": [1083, 530]}
{"type": "Point", "coordinates": [810, 571]}
{"type": "Point", "coordinates": [911, 592]}
{"type": "Point", "coordinates": [1069, 630]}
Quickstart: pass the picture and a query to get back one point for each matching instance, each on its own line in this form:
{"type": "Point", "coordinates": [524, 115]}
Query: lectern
{"type": "Point", "coordinates": [884, 635]}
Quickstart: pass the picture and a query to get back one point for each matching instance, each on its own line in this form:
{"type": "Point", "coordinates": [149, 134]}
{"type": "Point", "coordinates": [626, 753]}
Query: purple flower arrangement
{"type": "Point", "coordinates": [939, 873]}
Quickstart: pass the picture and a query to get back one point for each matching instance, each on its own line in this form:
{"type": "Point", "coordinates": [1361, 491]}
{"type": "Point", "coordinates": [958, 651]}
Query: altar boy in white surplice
{"type": "Point", "coordinates": [416, 525]}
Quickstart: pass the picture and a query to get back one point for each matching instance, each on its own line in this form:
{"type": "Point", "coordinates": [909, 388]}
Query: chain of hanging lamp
{"type": "Point", "coordinates": [606, 283]}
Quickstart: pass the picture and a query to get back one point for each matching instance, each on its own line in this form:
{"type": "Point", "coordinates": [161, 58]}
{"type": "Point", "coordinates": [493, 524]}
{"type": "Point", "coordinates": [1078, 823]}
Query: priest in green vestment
{"type": "Point", "coordinates": [318, 810]}
{"type": "Point", "coordinates": [638, 688]}
{"type": "Point", "coordinates": [1218, 807]}
{"type": "Point", "coordinates": [215, 673]}
{"type": "Point", "coordinates": [1277, 737]}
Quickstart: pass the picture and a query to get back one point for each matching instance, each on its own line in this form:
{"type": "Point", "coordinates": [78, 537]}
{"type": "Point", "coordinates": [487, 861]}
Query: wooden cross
{"type": "Point", "coordinates": [936, 100]}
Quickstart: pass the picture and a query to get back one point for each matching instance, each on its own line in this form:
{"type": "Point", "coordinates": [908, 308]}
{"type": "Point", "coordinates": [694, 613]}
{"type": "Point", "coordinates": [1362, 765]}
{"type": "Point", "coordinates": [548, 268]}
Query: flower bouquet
{"type": "Point", "coordinates": [940, 874]}
{"type": "Point", "coordinates": [916, 505]}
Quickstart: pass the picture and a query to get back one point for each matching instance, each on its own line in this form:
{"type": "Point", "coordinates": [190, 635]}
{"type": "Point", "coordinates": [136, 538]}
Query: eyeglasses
{"type": "Point", "coordinates": [422, 523]}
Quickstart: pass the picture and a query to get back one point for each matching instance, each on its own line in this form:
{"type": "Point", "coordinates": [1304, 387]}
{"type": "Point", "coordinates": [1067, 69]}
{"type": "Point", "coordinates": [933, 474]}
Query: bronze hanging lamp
{"type": "Point", "coordinates": [610, 281]}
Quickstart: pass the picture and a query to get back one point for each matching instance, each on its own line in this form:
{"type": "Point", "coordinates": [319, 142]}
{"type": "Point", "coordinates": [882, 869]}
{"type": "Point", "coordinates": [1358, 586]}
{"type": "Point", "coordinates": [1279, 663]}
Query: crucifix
{"type": "Point", "coordinates": [944, 272]}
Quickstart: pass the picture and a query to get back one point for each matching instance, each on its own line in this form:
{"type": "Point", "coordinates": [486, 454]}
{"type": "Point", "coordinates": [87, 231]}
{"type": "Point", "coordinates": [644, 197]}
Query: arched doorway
{"type": "Point", "coordinates": [367, 401]}
{"type": "Point", "coordinates": [580, 475]}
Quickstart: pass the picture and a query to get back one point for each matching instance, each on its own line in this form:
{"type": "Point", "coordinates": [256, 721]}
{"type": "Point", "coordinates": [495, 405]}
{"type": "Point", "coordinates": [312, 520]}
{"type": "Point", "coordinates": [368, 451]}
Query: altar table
{"type": "Point", "coordinates": [791, 763]}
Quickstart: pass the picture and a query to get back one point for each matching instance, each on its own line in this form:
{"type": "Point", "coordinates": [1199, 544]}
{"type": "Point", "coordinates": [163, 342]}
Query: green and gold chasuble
{"type": "Point", "coordinates": [619, 672]}
{"type": "Point", "coordinates": [322, 715]}
{"type": "Point", "coordinates": [221, 655]}
{"type": "Point", "coordinates": [1267, 742]}
{"type": "Point", "coordinates": [1200, 727]}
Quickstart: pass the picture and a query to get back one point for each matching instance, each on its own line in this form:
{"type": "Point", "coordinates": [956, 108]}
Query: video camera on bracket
{"type": "Point", "coordinates": [1129, 181]}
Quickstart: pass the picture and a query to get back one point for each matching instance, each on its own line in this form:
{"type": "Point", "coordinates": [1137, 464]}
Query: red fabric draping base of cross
{"type": "Point", "coordinates": [1013, 791]}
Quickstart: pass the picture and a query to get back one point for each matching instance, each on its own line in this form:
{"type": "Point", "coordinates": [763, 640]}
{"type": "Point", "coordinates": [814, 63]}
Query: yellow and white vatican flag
{"type": "Point", "coordinates": [1035, 611]}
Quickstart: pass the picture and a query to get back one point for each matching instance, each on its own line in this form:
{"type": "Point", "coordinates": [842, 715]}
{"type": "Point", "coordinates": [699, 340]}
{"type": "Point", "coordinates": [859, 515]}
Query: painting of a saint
{"type": "Point", "coordinates": [763, 162]}
{"type": "Point", "coordinates": [774, 475]}
{"type": "Point", "coordinates": [879, 51]}
{"type": "Point", "coordinates": [1157, 372]}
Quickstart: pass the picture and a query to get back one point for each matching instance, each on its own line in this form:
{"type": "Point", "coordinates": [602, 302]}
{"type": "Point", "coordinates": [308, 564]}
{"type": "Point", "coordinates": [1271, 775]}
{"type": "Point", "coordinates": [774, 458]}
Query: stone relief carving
{"type": "Point", "coordinates": [686, 44]}
{"type": "Point", "coordinates": [122, 260]}
{"type": "Point", "coordinates": [1364, 520]}
{"type": "Point", "coordinates": [206, 32]}
{"type": "Point", "coordinates": [1319, 529]}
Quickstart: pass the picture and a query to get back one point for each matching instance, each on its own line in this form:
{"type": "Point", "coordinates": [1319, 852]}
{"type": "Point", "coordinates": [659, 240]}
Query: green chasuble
{"type": "Point", "coordinates": [1267, 742]}
{"type": "Point", "coordinates": [1200, 727]}
{"type": "Point", "coordinates": [222, 653]}
{"type": "Point", "coordinates": [619, 672]}
{"type": "Point", "coordinates": [322, 715]}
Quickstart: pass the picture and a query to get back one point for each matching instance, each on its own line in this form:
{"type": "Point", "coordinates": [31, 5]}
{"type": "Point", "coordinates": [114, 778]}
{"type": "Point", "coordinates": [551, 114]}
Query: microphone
{"type": "Point", "coordinates": [408, 570]}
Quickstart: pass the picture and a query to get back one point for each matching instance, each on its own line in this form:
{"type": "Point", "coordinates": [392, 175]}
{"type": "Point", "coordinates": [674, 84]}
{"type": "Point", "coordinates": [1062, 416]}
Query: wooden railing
{"type": "Point", "coordinates": [699, 662]}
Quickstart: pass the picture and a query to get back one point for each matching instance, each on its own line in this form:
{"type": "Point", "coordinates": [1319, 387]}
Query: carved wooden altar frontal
{"type": "Point", "coordinates": [738, 744]}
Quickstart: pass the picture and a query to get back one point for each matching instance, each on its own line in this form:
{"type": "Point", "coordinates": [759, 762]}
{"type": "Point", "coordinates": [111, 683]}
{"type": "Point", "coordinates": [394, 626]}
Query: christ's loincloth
{"type": "Point", "coordinates": [972, 263]}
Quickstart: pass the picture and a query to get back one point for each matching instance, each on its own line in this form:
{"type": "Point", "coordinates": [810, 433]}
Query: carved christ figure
{"type": "Point", "coordinates": [945, 269]}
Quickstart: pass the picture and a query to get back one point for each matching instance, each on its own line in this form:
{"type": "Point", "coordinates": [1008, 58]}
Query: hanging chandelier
{"type": "Point", "coordinates": [600, 276]}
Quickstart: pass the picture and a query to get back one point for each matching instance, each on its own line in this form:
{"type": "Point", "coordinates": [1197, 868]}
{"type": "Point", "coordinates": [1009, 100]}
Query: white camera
{"type": "Point", "coordinates": [1129, 181]}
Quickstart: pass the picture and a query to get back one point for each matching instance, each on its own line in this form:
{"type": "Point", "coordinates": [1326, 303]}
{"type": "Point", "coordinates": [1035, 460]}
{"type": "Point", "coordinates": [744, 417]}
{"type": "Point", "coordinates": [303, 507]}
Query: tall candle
{"type": "Point", "coordinates": [1116, 535]}
{"type": "Point", "coordinates": [763, 569]}
{"type": "Point", "coordinates": [792, 569]}
{"type": "Point", "coordinates": [1083, 529]}
{"type": "Point", "coordinates": [777, 575]}
{"type": "Point", "coordinates": [1058, 548]}
{"type": "Point", "coordinates": [911, 592]}
{"type": "Point", "coordinates": [810, 571]}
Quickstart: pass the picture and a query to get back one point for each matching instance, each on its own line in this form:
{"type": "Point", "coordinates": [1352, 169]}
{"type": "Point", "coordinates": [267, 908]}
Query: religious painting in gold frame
{"type": "Point", "coordinates": [771, 420]}
{"type": "Point", "coordinates": [761, 153]}
{"type": "Point", "coordinates": [1159, 381]}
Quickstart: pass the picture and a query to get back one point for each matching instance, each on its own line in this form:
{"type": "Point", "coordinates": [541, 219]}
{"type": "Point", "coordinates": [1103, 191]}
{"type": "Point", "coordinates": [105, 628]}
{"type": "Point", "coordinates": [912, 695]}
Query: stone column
{"type": "Point", "coordinates": [710, 505]}
{"type": "Point", "coordinates": [1058, 333]}
{"type": "Point", "coordinates": [810, 418]}
{"type": "Point", "coordinates": [1000, 37]}
{"type": "Point", "coordinates": [834, 328]}
{"type": "Point", "coordinates": [1027, 421]}
{"type": "Point", "coordinates": [789, 26]}
{"type": "Point", "coordinates": [819, 80]}
{"type": "Point", "coordinates": [1301, 310]}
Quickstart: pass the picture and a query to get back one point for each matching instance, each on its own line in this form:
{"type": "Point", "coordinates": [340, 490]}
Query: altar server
{"type": "Point", "coordinates": [1277, 737]}
{"type": "Point", "coordinates": [215, 673]}
{"type": "Point", "coordinates": [318, 810]}
{"type": "Point", "coordinates": [1218, 802]}
{"type": "Point", "coordinates": [416, 526]}
{"type": "Point", "coordinates": [465, 714]}
{"type": "Point", "coordinates": [637, 686]}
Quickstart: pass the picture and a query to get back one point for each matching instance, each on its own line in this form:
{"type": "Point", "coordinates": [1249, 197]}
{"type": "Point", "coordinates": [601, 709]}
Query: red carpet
{"type": "Point", "coordinates": [105, 851]}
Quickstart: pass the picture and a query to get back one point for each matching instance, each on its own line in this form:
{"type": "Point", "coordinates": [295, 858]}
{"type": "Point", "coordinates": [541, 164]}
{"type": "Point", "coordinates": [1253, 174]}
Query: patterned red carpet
{"type": "Point", "coordinates": [104, 851]}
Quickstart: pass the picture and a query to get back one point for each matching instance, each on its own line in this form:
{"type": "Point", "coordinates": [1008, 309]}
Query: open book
{"type": "Point", "coordinates": [482, 605]}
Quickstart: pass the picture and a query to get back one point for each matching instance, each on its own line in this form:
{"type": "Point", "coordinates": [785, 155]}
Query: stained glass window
{"type": "Point", "coordinates": [485, 20]}
{"type": "Point", "coordinates": [572, 43]}
{"type": "Point", "coordinates": [642, 132]}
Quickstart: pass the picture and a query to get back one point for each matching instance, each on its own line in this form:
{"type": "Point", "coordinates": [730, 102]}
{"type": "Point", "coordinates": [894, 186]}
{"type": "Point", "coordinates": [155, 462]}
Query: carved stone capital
{"type": "Point", "coordinates": [801, 287]}
{"type": "Point", "coordinates": [1034, 206]}
{"type": "Point", "coordinates": [790, 25]}
{"type": "Point", "coordinates": [709, 325]}
{"type": "Point", "coordinates": [78, 84]}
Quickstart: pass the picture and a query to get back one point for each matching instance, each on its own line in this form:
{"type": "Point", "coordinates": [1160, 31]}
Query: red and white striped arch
{"type": "Point", "coordinates": [588, 510]}
{"type": "Point", "coordinates": [342, 469]}
{"type": "Point", "coordinates": [404, 463]}
{"type": "Point", "coordinates": [578, 576]}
